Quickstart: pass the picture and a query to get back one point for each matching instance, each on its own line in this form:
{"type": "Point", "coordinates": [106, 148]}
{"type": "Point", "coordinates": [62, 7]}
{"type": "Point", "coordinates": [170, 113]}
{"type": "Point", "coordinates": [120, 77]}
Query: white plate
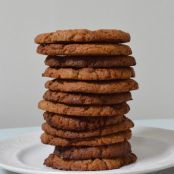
{"type": "Point", "coordinates": [153, 146]}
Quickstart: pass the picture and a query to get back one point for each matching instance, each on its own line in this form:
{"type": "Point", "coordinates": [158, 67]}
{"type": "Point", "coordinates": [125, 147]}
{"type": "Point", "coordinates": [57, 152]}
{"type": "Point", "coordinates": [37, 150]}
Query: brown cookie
{"type": "Point", "coordinates": [80, 123]}
{"type": "Point", "coordinates": [89, 61]}
{"type": "Point", "coordinates": [57, 162]}
{"type": "Point", "coordinates": [84, 49]}
{"type": "Point", "coordinates": [83, 36]}
{"type": "Point", "coordinates": [87, 99]}
{"type": "Point", "coordinates": [83, 153]}
{"type": "Point", "coordinates": [98, 87]}
{"type": "Point", "coordinates": [89, 73]}
{"type": "Point", "coordinates": [94, 141]}
{"type": "Point", "coordinates": [113, 110]}
{"type": "Point", "coordinates": [124, 125]}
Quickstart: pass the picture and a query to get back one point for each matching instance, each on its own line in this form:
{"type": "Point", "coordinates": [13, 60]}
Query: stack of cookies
{"type": "Point", "coordinates": [86, 101]}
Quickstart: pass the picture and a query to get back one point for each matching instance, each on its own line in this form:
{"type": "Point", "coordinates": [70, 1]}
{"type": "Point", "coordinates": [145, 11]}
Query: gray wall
{"type": "Point", "coordinates": [149, 22]}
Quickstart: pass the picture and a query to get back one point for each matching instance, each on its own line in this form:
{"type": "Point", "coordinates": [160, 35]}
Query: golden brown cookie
{"type": "Point", "coordinates": [80, 123]}
{"type": "Point", "coordinates": [90, 73]}
{"type": "Point", "coordinates": [113, 110]}
{"type": "Point", "coordinates": [57, 162]}
{"type": "Point", "coordinates": [84, 49]}
{"type": "Point", "coordinates": [90, 61]}
{"type": "Point", "coordinates": [83, 153]}
{"type": "Point", "coordinates": [124, 125]}
{"type": "Point", "coordinates": [87, 99]}
{"type": "Point", "coordinates": [97, 87]}
{"type": "Point", "coordinates": [93, 141]}
{"type": "Point", "coordinates": [83, 36]}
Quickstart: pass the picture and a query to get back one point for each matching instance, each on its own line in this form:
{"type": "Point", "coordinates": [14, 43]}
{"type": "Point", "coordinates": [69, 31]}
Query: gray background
{"type": "Point", "coordinates": [149, 22]}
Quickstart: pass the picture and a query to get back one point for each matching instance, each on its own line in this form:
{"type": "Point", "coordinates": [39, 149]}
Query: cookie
{"type": "Point", "coordinates": [84, 49]}
{"type": "Point", "coordinates": [97, 87]}
{"type": "Point", "coordinates": [80, 123]}
{"type": "Point", "coordinates": [89, 73]}
{"type": "Point", "coordinates": [57, 162]}
{"type": "Point", "coordinates": [90, 61]}
{"type": "Point", "coordinates": [83, 36]}
{"type": "Point", "coordinates": [113, 110]}
{"type": "Point", "coordinates": [124, 125]}
{"type": "Point", "coordinates": [87, 99]}
{"type": "Point", "coordinates": [83, 153]}
{"type": "Point", "coordinates": [94, 141]}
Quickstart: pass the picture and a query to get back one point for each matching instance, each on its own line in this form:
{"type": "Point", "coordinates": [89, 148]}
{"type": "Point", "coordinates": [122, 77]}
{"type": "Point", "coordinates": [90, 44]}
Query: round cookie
{"type": "Point", "coordinates": [87, 99]}
{"type": "Point", "coordinates": [123, 126]}
{"type": "Point", "coordinates": [84, 49]}
{"type": "Point", "coordinates": [97, 87]}
{"type": "Point", "coordinates": [113, 110]}
{"type": "Point", "coordinates": [80, 123]}
{"type": "Point", "coordinates": [83, 153]}
{"type": "Point", "coordinates": [57, 162]}
{"type": "Point", "coordinates": [83, 36]}
{"type": "Point", "coordinates": [89, 73]}
{"type": "Point", "coordinates": [94, 141]}
{"type": "Point", "coordinates": [90, 61]}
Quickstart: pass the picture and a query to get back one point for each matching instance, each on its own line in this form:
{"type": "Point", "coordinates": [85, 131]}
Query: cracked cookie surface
{"type": "Point", "coordinates": [90, 61]}
{"type": "Point", "coordinates": [56, 162]}
{"type": "Point", "coordinates": [89, 73]}
{"type": "Point", "coordinates": [73, 123]}
{"type": "Point", "coordinates": [86, 99]}
{"type": "Point", "coordinates": [97, 87]}
{"type": "Point", "coordinates": [113, 110]}
{"type": "Point", "coordinates": [83, 36]}
{"type": "Point", "coordinates": [93, 141]}
{"type": "Point", "coordinates": [84, 49]}
{"type": "Point", "coordinates": [81, 153]}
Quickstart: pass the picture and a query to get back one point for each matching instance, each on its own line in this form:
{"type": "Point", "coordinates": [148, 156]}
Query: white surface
{"type": "Point", "coordinates": [149, 22]}
{"type": "Point", "coordinates": [153, 146]}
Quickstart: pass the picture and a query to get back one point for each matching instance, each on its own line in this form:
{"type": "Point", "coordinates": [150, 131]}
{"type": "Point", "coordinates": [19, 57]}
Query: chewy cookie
{"type": "Point", "coordinates": [83, 153]}
{"type": "Point", "coordinates": [96, 87]}
{"type": "Point", "coordinates": [124, 125]}
{"type": "Point", "coordinates": [89, 73]}
{"type": "Point", "coordinates": [90, 61]}
{"type": "Point", "coordinates": [57, 162]}
{"type": "Point", "coordinates": [87, 99]}
{"type": "Point", "coordinates": [80, 123]}
{"type": "Point", "coordinates": [93, 141]}
{"type": "Point", "coordinates": [84, 49]}
{"type": "Point", "coordinates": [83, 36]}
{"type": "Point", "coordinates": [113, 110]}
